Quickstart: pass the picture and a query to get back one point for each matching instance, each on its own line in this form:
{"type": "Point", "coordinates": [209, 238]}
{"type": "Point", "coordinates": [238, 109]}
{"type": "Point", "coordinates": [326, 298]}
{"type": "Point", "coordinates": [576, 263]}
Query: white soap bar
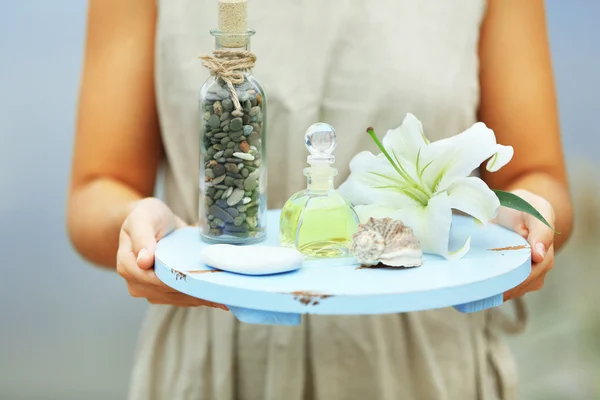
{"type": "Point", "coordinates": [252, 260]}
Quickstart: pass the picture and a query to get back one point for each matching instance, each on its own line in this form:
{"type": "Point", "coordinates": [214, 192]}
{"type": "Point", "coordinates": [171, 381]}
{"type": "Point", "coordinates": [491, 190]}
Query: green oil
{"type": "Point", "coordinates": [318, 225]}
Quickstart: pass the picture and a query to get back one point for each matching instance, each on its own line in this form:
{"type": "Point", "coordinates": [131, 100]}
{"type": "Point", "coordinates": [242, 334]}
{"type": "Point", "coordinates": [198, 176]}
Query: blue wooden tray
{"type": "Point", "coordinates": [498, 261]}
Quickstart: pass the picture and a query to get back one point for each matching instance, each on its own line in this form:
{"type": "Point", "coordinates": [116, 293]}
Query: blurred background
{"type": "Point", "coordinates": [68, 329]}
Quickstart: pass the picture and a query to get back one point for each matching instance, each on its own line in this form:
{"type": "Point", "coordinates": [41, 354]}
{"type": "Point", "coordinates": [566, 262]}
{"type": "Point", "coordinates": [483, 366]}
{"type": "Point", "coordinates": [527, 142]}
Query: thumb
{"type": "Point", "coordinates": [145, 225]}
{"type": "Point", "coordinates": [540, 239]}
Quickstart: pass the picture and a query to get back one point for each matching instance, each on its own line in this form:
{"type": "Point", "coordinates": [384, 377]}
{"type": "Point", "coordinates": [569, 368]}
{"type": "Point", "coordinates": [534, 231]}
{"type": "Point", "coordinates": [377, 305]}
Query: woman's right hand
{"type": "Point", "coordinates": [149, 221]}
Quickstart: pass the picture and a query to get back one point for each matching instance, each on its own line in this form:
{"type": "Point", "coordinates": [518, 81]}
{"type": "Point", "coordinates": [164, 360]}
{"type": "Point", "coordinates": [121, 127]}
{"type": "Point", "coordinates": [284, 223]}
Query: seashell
{"type": "Point", "coordinates": [386, 241]}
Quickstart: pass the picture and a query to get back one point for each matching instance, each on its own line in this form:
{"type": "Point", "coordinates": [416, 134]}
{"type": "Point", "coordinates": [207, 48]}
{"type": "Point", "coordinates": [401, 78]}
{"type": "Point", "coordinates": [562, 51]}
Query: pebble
{"type": "Point", "coordinates": [218, 179]}
{"type": "Point", "coordinates": [253, 259]}
{"type": "Point", "coordinates": [218, 212]}
{"type": "Point", "coordinates": [225, 116]}
{"type": "Point", "coordinates": [227, 104]}
{"type": "Point", "coordinates": [219, 154]}
{"type": "Point", "coordinates": [228, 192]}
{"type": "Point", "coordinates": [254, 111]}
{"type": "Point", "coordinates": [236, 135]}
{"type": "Point", "coordinates": [245, 147]}
{"type": "Point", "coordinates": [236, 196]}
{"type": "Point", "coordinates": [214, 121]}
{"type": "Point", "coordinates": [218, 108]}
{"type": "Point", "coordinates": [236, 124]}
{"type": "Point", "coordinates": [247, 130]}
{"type": "Point", "coordinates": [219, 170]}
{"type": "Point", "coordinates": [231, 167]}
{"type": "Point", "coordinates": [233, 212]}
{"type": "Point", "coordinates": [221, 203]}
{"type": "Point", "coordinates": [237, 113]}
{"type": "Point", "coordinates": [243, 156]}
{"type": "Point", "coordinates": [246, 200]}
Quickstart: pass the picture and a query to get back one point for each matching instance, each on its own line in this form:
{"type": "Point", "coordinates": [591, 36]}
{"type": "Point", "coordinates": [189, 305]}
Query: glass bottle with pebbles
{"type": "Point", "coordinates": [233, 148]}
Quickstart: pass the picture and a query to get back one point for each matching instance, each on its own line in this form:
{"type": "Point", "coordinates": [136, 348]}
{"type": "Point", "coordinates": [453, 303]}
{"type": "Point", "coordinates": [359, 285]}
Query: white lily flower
{"type": "Point", "coordinates": [420, 182]}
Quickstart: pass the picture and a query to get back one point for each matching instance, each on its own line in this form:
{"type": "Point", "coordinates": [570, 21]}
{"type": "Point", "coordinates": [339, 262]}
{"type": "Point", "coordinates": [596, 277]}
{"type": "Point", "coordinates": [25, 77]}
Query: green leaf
{"type": "Point", "coordinates": [515, 202]}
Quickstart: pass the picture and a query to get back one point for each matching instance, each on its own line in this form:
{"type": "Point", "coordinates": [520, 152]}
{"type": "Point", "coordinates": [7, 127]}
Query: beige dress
{"type": "Point", "coordinates": [350, 63]}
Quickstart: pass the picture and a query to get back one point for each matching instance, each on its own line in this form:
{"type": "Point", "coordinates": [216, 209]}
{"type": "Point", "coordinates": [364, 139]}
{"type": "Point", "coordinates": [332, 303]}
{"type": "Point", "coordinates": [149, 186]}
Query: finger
{"type": "Point", "coordinates": [540, 236]}
{"type": "Point", "coordinates": [536, 278]}
{"type": "Point", "coordinates": [142, 230]}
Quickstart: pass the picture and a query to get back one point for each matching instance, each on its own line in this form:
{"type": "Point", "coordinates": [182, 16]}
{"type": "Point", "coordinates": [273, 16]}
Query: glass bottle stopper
{"type": "Point", "coordinates": [320, 140]}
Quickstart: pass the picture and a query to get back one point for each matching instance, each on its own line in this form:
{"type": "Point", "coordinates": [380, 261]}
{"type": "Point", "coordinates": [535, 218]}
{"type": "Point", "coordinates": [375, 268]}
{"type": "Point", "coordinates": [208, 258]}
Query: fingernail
{"type": "Point", "coordinates": [541, 249]}
{"type": "Point", "coordinates": [141, 254]}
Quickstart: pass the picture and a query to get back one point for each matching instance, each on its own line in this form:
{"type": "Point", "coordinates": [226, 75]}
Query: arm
{"type": "Point", "coordinates": [117, 146]}
{"type": "Point", "coordinates": [518, 103]}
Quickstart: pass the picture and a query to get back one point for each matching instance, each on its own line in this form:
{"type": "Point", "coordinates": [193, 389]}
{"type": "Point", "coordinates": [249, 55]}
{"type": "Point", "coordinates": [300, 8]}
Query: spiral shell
{"type": "Point", "coordinates": [386, 241]}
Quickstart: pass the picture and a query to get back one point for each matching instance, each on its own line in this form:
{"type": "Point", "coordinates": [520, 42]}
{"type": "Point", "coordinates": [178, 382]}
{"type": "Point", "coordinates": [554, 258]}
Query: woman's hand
{"type": "Point", "coordinates": [149, 221]}
{"type": "Point", "coordinates": [539, 236]}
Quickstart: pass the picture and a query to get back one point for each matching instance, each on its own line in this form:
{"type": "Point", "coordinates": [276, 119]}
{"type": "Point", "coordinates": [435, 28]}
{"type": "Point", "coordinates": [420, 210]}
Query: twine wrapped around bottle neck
{"type": "Point", "coordinates": [228, 65]}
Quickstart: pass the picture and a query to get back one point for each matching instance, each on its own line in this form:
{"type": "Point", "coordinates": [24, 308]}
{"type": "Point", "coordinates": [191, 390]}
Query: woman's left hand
{"type": "Point", "coordinates": [539, 236]}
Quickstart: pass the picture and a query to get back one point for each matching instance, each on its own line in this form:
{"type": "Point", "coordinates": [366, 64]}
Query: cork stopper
{"type": "Point", "coordinates": [233, 21]}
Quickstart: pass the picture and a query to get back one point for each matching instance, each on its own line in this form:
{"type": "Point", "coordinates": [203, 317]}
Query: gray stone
{"type": "Point", "coordinates": [227, 192]}
{"type": "Point", "coordinates": [224, 123]}
{"type": "Point", "coordinates": [247, 105]}
{"type": "Point", "coordinates": [245, 172]}
{"type": "Point", "coordinates": [214, 121]}
{"type": "Point", "coordinates": [223, 93]}
{"type": "Point", "coordinates": [238, 221]}
{"type": "Point", "coordinates": [239, 183]}
{"type": "Point", "coordinates": [208, 172]}
{"type": "Point", "coordinates": [218, 179]}
{"type": "Point", "coordinates": [254, 111]}
{"type": "Point", "coordinates": [237, 113]}
{"type": "Point", "coordinates": [221, 203]}
{"type": "Point", "coordinates": [252, 211]}
{"type": "Point", "coordinates": [228, 153]}
{"type": "Point", "coordinates": [221, 187]}
{"type": "Point", "coordinates": [227, 104]}
{"type": "Point", "coordinates": [247, 130]}
{"type": "Point", "coordinates": [236, 124]}
{"type": "Point", "coordinates": [220, 135]}
{"type": "Point", "coordinates": [226, 127]}
{"type": "Point", "coordinates": [225, 116]}
{"type": "Point", "coordinates": [206, 115]}
{"type": "Point", "coordinates": [234, 175]}
{"type": "Point", "coordinates": [241, 208]}
{"type": "Point", "coordinates": [236, 197]}
{"type": "Point", "coordinates": [235, 228]}
{"type": "Point", "coordinates": [233, 212]}
{"type": "Point", "coordinates": [219, 154]}
{"type": "Point", "coordinates": [218, 212]}
{"type": "Point", "coordinates": [244, 96]}
{"type": "Point", "coordinates": [219, 170]}
{"type": "Point", "coordinates": [229, 181]}
{"type": "Point", "coordinates": [236, 135]}
{"type": "Point", "coordinates": [217, 147]}
{"type": "Point", "coordinates": [231, 167]}
{"type": "Point", "coordinates": [208, 201]}
{"type": "Point", "coordinates": [254, 139]}
{"type": "Point", "coordinates": [225, 140]}
{"type": "Point", "coordinates": [222, 160]}
{"type": "Point", "coordinates": [230, 145]}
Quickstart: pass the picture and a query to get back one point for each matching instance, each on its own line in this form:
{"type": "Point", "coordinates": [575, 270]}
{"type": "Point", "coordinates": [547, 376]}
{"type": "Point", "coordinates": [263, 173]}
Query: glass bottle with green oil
{"type": "Point", "coordinates": [319, 221]}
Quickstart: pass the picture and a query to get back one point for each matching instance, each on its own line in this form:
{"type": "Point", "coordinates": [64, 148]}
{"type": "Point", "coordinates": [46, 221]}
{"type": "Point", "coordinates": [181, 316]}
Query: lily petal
{"type": "Point", "coordinates": [456, 157]}
{"type": "Point", "coordinates": [458, 254]}
{"type": "Point", "coordinates": [502, 157]}
{"type": "Point", "coordinates": [406, 140]}
{"type": "Point", "coordinates": [430, 224]}
{"type": "Point", "coordinates": [373, 180]}
{"type": "Point", "coordinates": [473, 196]}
